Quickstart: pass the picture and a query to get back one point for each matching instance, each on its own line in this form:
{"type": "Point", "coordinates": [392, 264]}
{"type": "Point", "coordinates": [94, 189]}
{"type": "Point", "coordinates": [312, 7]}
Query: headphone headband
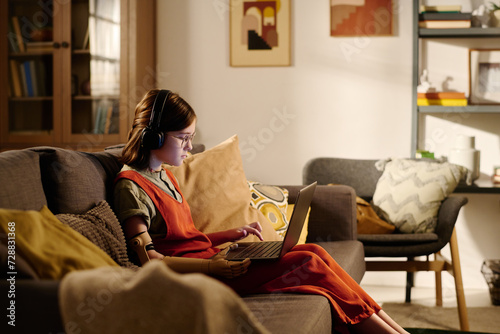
{"type": "Point", "coordinates": [152, 137]}
{"type": "Point", "coordinates": [158, 106]}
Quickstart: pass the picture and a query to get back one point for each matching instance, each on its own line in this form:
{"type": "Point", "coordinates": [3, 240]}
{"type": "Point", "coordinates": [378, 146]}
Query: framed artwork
{"type": "Point", "coordinates": [259, 33]}
{"type": "Point", "coordinates": [361, 18]}
{"type": "Point", "coordinates": [484, 76]}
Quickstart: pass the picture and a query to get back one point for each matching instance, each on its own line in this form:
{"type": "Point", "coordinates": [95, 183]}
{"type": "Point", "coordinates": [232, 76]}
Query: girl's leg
{"type": "Point", "coordinates": [385, 317]}
{"type": "Point", "coordinates": [377, 324]}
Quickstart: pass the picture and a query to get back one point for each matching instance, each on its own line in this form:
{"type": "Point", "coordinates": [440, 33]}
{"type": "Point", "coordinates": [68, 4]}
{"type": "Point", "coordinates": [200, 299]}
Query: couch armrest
{"type": "Point", "coordinates": [36, 306]}
{"type": "Point", "coordinates": [333, 213]}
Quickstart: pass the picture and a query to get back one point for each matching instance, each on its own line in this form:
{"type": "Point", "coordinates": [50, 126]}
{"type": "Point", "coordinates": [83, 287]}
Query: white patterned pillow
{"type": "Point", "coordinates": [409, 192]}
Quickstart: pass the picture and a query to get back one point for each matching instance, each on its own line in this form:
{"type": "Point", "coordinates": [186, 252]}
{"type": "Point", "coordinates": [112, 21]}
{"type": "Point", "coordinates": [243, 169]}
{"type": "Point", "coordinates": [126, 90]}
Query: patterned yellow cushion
{"type": "Point", "coordinates": [272, 201]}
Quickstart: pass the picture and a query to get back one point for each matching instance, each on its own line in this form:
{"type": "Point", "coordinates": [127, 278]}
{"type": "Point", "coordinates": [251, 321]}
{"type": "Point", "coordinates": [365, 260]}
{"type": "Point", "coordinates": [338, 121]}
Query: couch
{"type": "Point", "coordinates": [68, 181]}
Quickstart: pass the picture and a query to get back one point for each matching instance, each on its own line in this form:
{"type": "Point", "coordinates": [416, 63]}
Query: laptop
{"type": "Point", "coordinates": [273, 250]}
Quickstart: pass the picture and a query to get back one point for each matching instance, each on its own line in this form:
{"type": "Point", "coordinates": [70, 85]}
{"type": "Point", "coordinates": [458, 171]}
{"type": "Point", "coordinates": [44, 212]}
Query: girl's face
{"type": "Point", "coordinates": [175, 148]}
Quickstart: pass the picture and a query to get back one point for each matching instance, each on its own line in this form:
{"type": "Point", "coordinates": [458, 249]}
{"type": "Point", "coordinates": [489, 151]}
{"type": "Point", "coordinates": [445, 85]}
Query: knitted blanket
{"type": "Point", "coordinates": [103, 229]}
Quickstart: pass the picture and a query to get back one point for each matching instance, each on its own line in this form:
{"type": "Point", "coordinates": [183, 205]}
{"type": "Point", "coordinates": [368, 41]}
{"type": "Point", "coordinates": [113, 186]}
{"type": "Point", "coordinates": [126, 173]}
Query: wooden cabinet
{"type": "Point", "coordinates": [74, 71]}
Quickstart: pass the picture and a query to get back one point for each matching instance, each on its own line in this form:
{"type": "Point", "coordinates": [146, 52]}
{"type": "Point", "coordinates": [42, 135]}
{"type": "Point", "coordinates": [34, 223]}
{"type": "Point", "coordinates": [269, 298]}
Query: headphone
{"type": "Point", "coordinates": [152, 138]}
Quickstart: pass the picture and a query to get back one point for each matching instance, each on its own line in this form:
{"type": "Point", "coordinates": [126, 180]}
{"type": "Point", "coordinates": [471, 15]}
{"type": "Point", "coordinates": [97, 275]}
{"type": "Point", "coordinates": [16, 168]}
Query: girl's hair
{"type": "Point", "coordinates": [177, 115]}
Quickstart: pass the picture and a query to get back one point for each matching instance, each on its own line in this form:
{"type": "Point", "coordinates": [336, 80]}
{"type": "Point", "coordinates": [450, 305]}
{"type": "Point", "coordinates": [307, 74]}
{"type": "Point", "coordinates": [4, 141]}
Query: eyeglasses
{"type": "Point", "coordinates": [185, 139]}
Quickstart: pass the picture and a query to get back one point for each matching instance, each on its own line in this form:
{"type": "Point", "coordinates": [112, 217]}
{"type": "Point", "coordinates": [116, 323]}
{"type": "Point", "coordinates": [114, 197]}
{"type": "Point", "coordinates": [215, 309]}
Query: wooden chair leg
{"type": "Point", "coordinates": [439, 284]}
{"type": "Point", "coordinates": [459, 287]}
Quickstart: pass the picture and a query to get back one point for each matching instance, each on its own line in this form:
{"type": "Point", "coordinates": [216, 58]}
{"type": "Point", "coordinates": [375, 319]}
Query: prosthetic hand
{"type": "Point", "coordinates": [229, 269]}
{"type": "Point", "coordinates": [217, 266]}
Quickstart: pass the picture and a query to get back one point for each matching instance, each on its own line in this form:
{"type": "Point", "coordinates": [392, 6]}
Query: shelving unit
{"type": "Point", "coordinates": [95, 55]}
{"type": "Point", "coordinates": [420, 34]}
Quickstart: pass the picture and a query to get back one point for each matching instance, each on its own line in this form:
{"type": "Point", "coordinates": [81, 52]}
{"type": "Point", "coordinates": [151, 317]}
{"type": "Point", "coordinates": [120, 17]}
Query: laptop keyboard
{"type": "Point", "coordinates": [262, 249]}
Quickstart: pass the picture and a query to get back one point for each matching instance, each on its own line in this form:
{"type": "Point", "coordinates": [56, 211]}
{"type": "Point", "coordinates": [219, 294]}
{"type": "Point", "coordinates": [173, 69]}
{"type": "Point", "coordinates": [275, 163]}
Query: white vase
{"type": "Point", "coordinates": [495, 18]}
{"type": "Point", "coordinates": [465, 154]}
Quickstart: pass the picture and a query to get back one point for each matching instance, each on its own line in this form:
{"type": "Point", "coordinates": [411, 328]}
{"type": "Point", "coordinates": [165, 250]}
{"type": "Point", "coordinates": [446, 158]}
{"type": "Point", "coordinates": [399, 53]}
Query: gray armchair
{"type": "Point", "coordinates": [363, 176]}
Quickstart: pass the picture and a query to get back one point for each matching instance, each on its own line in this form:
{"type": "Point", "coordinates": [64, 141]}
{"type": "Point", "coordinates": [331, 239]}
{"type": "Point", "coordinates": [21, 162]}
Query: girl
{"type": "Point", "coordinates": [158, 224]}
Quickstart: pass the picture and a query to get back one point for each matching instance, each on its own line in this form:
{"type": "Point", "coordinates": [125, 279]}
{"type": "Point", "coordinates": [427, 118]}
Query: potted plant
{"type": "Point", "coordinates": [495, 14]}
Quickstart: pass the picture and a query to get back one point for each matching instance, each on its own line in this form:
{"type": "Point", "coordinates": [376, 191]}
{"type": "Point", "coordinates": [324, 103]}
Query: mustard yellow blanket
{"type": "Point", "coordinates": [51, 248]}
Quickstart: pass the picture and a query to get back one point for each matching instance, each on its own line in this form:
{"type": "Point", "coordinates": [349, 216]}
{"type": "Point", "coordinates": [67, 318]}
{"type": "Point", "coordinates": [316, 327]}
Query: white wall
{"type": "Point", "coordinates": [344, 97]}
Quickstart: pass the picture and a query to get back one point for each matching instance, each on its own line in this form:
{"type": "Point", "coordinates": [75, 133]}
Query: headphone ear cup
{"type": "Point", "coordinates": [152, 139]}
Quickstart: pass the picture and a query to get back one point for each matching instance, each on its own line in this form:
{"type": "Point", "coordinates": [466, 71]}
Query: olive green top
{"type": "Point", "coordinates": [131, 200]}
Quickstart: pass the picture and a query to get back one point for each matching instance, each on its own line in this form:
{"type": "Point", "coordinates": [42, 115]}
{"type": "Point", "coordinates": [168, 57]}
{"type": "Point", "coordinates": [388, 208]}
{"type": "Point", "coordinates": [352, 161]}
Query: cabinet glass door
{"type": "Point", "coordinates": [30, 64]}
{"type": "Point", "coordinates": [94, 81]}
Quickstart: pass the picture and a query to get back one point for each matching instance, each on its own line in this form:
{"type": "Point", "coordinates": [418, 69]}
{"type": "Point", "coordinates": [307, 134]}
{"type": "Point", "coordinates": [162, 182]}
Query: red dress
{"type": "Point", "coordinates": [305, 268]}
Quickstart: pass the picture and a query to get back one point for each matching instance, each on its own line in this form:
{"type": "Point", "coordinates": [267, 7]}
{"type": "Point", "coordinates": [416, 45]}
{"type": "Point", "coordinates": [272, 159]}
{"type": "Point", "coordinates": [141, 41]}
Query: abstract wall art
{"type": "Point", "coordinates": [260, 33]}
{"type": "Point", "coordinates": [361, 18]}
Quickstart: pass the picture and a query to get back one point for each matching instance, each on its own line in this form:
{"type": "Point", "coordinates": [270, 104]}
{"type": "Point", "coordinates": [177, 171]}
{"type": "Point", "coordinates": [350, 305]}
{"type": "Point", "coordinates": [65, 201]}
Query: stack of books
{"type": "Point", "coordinates": [444, 17]}
{"type": "Point", "coordinates": [451, 99]}
{"type": "Point", "coordinates": [28, 78]}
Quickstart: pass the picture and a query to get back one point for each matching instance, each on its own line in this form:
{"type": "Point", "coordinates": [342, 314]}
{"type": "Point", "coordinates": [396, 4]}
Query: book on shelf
{"type": "Point", "coordinates": [107, 124]}
{"type": "Point", "coordinates": [34, 77]}
{"type": "Point", "coordinates": [441, 95]}
{"type": "Point", "coordinates": [39, 46]}
{"type": "Point", "coordinates": [24, 81]}
{"type": "Point", "coordinates": [15, 78]}
{"type": "Point", "coordinates": [29, 79]}
{"type": "Point", "coordinates": [85, 44]}
{"type": "Point", "coordinates": [442, 102]}
{"type": "Point", "coordinates": [12, 37]}
{"type": "Point", "coordinates": [441, 8]}
{"type": "Point", "coordinates": [445, 24]}
{"type": "Point", "coordinates": [444, 16]}
{"type": "Point", "coordinates": [17, 30]}
{"type": "Point", "coordinates": [103, 117]}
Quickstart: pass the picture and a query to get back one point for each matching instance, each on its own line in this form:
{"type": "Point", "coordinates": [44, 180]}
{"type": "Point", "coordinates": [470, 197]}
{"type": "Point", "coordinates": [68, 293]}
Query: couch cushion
{"type": "Point", "coordinates": [349, 254]}
{"type": "Point", "coordinates": [73, 181]}
{"type": "Point", "coordinates": [286, 312]}
{"type": "Point", "coordinates": [21, 184]}
{"type": "Point", "coordinates": [397, 239]}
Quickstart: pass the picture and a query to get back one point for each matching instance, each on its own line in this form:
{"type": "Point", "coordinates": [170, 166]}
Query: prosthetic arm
{"type": "Point", "coordinates": [217, 265]}
{"type": "Point", "coordinates": [140, 244]}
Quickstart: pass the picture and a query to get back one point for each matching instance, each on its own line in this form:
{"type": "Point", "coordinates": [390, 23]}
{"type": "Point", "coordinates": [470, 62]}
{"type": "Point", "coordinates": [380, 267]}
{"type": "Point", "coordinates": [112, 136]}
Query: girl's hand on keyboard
{"type": "Point", "coordinates": [236, 234]}
{"type": "Point", "coordinates": [253, 228]}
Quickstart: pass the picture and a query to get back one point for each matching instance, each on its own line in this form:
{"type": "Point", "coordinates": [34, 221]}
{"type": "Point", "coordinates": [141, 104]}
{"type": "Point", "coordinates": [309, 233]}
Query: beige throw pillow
{"type": "Point", "coordinates": [215, 186]}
